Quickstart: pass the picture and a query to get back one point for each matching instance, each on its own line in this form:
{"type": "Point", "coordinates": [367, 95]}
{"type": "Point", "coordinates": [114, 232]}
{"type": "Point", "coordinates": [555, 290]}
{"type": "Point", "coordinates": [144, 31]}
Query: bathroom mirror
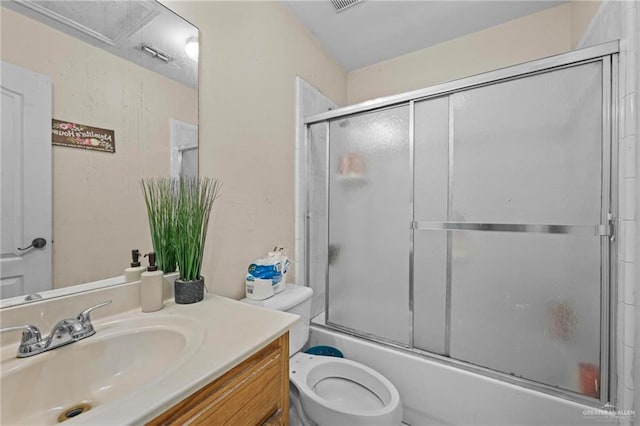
{"type": "Point", "coordinates": [126, 75]}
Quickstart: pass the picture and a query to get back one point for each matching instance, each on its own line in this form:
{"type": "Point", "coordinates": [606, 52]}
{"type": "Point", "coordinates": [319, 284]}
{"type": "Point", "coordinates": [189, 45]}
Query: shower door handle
{"type": "Point", "coordinates": [593, 230]}
{"type": "Point", "coordinates": [608, 229]}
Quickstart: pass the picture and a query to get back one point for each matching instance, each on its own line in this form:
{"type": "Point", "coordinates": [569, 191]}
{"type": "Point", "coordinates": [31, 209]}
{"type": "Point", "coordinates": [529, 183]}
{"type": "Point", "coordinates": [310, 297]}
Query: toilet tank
{"type": "Point", "coordinates": [295, 299]}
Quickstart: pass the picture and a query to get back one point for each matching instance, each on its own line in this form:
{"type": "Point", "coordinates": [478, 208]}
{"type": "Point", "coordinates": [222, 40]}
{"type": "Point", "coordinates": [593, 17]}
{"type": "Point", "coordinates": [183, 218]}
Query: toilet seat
{"type": "Point", "coordinates": [337, 391]}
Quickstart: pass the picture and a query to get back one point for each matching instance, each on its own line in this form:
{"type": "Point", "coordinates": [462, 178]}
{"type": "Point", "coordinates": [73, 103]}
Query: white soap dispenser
{"type": "Point", "coordinates": [151, 283]}
{"type": "Point", "coordinates": [133, 272]}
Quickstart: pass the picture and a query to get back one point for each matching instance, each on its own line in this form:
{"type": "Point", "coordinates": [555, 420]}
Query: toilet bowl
{"type": "Point", "coordinates": [337, 391]}
{"type": "Point", "coordinates": [330, 391]}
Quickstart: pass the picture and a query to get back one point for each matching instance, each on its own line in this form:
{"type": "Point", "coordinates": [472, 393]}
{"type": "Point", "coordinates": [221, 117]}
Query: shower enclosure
{"type": "Point", "coordinates": [471, 222]}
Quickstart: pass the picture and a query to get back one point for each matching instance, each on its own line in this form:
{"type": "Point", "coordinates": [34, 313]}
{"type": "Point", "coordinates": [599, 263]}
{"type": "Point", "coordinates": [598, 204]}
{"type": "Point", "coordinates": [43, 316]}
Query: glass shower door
{"type": "Point", "coordinates": [369, 186]}
{"type": "Point", "coordinates": [473, 224]}
{"type": "Point", "coordinates": [524, 201]}
{"type": "Point", "coordinates": [537, 161]}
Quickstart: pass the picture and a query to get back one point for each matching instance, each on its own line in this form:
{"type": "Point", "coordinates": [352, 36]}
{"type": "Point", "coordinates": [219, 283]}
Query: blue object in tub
{"type": "Point", "coordinates": [324, 351]}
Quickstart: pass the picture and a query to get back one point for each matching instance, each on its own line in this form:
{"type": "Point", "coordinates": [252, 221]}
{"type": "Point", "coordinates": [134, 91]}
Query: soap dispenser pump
{"type": "Point", "coordinates": [133, 272]}
{"type": "Point", "coordinates": [151, 283]}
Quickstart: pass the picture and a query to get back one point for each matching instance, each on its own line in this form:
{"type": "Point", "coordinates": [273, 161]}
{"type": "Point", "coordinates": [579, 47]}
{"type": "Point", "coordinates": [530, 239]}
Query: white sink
{"type": "Point", "coordinates": [123, 356]}
{"type": "Point", "coordinates": [136, 366]}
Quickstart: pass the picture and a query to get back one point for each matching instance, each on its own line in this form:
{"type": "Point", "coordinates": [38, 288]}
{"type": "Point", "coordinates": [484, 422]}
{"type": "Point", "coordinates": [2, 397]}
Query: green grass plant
{"type": "Point", "coordinates": [161, 201]}
{"type": "Point", "coordinates": [194, 200]}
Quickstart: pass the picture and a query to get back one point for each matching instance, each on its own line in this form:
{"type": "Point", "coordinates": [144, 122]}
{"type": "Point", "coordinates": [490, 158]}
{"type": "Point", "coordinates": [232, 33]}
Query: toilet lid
{"type": "Point", "coordinates": [347, 395]}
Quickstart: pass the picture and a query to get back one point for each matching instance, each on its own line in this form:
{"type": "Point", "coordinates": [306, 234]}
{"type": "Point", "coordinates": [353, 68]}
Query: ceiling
{"type": "Point", "coordinates": [376, 30]}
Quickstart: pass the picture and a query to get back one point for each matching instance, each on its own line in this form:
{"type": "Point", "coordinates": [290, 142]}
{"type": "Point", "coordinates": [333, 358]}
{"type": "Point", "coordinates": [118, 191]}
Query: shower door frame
{"type": "Point", "coordinates": [606, 53]}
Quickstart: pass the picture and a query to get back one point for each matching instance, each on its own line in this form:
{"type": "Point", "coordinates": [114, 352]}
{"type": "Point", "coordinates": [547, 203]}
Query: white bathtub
{"type": "Point", "coordinates": [436, 394]}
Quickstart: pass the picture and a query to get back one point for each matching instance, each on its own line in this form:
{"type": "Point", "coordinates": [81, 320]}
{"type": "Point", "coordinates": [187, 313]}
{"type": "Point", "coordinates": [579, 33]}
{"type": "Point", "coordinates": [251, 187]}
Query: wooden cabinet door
{"type": "Point", "coordinates": [255, 392]}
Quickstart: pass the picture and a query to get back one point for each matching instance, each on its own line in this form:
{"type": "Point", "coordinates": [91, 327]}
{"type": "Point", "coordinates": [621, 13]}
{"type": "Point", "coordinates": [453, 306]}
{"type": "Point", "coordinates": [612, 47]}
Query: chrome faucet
{"type": "Point", "coordinates": [31, 342]}
{"type": "Point", "coordinates": [64, 332]}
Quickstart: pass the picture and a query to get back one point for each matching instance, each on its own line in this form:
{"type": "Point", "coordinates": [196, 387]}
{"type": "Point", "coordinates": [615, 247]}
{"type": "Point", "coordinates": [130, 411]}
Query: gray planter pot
{"type": "Point", "coordinates": [188, 291]}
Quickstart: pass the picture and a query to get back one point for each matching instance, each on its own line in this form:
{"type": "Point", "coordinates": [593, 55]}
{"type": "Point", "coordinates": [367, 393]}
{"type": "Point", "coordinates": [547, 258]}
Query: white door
{"type": "Point", "coordinates": [184, 149]}
{"type": "Point", "coordinates": [25, 158]}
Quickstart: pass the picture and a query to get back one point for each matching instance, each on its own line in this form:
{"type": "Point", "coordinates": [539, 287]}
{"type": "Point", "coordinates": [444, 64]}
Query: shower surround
{"type": "Point", "coordinates": [430, 331]}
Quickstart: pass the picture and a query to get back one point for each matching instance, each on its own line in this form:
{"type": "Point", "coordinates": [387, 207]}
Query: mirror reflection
{"type": "Point", "coordinates": [120, 82]}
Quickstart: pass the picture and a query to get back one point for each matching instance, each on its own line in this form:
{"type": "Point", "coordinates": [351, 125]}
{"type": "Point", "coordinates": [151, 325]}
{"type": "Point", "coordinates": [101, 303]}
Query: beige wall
{"type": "Point", "coordinates": [549, 32]}
{"type": "Point", "coordinates": [250, 54]}
{"type": "Point", "coordinates": [98, 208]}
{"type": "Point", "coordinates": [582, 12]}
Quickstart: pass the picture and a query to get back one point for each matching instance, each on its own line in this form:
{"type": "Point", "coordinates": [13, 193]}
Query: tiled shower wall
{"type": "Point", "coordinates": [619, 20]}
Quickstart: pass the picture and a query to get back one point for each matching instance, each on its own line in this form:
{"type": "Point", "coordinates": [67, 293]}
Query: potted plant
{"type": "Point", "coordinates": [160, 199]}
{"type": "Point", "coordinates": [194, 200]}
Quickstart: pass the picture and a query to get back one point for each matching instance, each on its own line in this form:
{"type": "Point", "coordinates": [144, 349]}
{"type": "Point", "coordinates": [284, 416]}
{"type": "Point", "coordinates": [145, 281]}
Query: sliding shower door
{"type": "Point", "coordinates": [507, 255]}
{"type": "Point", "coordinates": [369, 187]}
{"type": "Point", "coordinates": [472, 222]}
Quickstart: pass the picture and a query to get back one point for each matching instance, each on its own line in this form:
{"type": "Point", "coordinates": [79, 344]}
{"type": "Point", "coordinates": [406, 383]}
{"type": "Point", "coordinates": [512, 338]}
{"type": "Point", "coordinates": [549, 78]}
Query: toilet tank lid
{"type": "Point", "coordinates": [293, 295]}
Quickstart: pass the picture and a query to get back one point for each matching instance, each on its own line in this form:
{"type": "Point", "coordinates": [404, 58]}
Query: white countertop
{"type": "Point", "coordinates": [233, 331]}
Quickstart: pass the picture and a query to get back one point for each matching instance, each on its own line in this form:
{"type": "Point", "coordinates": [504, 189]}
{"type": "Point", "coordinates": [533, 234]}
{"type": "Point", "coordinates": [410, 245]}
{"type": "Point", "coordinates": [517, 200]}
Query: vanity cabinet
{"type": "Point", "coordinates": [255, 392]}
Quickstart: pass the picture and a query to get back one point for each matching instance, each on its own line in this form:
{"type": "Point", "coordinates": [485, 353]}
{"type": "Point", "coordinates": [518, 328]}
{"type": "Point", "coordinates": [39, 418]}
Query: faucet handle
{"type": "Point", "coordinates": [30, 333]}
{"type": "Point", "coordinates": [85, 319]}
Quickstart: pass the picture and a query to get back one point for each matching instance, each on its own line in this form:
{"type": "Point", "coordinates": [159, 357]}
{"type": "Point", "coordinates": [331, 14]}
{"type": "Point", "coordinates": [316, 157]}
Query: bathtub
{"type": "Point", "coordinates": [433, 393]}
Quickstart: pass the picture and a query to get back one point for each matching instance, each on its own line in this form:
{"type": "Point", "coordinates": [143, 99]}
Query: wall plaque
{"type": "Point", "coordinates": [76, 135]}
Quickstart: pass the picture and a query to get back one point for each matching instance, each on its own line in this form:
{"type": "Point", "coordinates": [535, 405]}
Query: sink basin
{"type": "Point", "coordinates": [124, 355]}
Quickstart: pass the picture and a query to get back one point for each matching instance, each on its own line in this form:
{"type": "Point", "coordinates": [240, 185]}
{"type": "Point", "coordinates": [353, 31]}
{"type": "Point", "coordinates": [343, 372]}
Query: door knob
{"type": "Point", "coordinates": [36, 243]}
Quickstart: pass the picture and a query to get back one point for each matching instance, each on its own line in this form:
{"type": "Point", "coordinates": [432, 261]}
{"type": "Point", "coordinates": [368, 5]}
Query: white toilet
{"type": "Point", "coordinates": [328, 390]}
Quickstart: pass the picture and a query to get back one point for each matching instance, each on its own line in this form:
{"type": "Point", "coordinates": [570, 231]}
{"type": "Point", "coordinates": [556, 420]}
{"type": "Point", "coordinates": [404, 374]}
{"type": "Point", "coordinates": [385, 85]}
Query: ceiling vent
{"type": "Point", "coordinates": [341, 5]}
